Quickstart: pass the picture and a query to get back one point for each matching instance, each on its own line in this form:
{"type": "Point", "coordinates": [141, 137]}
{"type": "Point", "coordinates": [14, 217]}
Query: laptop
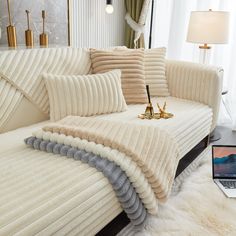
{"type": "Point", "coordinates": [224, 168]}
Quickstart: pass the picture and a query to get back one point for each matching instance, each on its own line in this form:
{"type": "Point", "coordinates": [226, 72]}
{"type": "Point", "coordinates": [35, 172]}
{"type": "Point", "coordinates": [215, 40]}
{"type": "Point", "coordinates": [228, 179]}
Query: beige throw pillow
{"type": "Point", "coordinates": [155, 71]}
{"type": "Point", "coordinates": [84, 95]}
{"type": "Point", "coordinates": [131, 63]}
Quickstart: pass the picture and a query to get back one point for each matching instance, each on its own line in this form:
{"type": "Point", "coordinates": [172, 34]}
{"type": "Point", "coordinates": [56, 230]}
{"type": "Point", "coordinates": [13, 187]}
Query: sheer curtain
{"type": "Point", "coordinates": [170, 26]}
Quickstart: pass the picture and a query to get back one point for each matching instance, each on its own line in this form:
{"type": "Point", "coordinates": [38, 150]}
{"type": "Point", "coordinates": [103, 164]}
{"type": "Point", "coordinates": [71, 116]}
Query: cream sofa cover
{"type": "Point", "coordinates": [186, 80]}
{"type": "Point", "coordinates": [21, 77]}
{"type": "Point", "coordinates": [196, 82]}
{"type": "Point", "coordinates": [191, 86]}
{"type": "Point", "coordinates": [61, 196]}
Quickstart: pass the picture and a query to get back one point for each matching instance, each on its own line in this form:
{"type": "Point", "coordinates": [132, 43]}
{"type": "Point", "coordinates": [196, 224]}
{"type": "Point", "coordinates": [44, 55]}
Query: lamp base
{"type": "Point", "coordinates": [205, 46]}
{"type": "Point", "coordinates": [205, 54]}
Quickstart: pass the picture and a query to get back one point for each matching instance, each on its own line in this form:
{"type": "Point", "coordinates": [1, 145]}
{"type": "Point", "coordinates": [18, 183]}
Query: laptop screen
{"type": "Point", "coordinates": [224, 161]}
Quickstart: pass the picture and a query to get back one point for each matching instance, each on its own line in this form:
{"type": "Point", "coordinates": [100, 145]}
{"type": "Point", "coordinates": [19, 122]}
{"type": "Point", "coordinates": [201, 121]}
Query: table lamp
{"type": "Point", "coordinates": [208, 27]}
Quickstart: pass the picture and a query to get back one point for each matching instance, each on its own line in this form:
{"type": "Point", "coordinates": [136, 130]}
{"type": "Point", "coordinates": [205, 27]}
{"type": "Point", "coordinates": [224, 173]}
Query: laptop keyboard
{"type": "Point", "coordinates": [228, 184]}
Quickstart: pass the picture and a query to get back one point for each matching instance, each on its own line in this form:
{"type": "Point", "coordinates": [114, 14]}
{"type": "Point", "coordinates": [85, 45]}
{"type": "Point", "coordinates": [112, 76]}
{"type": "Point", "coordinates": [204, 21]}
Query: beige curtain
{"type": "Point", "coordinates": [136, 13]}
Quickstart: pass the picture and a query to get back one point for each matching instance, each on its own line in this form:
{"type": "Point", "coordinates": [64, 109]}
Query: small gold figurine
{"type": "Point", "coordinates": [149, 111]}
{"type": "Point", "coordinates": [162, 112]}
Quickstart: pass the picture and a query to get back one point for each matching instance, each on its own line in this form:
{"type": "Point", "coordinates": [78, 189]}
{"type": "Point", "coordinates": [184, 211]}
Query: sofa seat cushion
{"type": "Point", "coordinates": [190, 124]}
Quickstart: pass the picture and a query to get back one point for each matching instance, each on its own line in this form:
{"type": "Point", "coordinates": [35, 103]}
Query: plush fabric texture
{"type": "Point", "coordinates": [24, 68]}
{"type": "Point", "coordinates": [19, 119]}
{"type": "Point", "coordinates": [21, 77]}
{"type": "Point", "coordinates": [199, 208]}
{"type": "Point", "coordinates": [121, 184]}
{"type": "Point", "coordinates": [62, 196]}
{"type": "Point", "coordinates": [154, 150]}
{"type": "Point", "coordinates": [21, 70]}
{"type": "Point", "coordinates": [131, 63]}
{"type": "Point", "coordinates": [45, 194]}
{"type": "Point", "coordinates": [84, 95]}
{"type": "Point", "coordinates": [187, 128]}
{"type": "Point", "coordinates": [196, 82]}
{"type": "Point", "coordinates": [155, 71]}
{"type": "Point", "coordinates": [131, 169]}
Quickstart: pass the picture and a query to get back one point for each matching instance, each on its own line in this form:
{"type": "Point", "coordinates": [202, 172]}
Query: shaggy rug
{"type": "Point", "coordinates": [196, 207]}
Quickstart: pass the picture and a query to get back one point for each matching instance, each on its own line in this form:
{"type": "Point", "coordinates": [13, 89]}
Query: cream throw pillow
{"type": "Point", "coordinates": [132, 67]}
{"type": "Point", "coordinates": [84, 95]}
{"type": "Point", "coordinates": [155, 71]}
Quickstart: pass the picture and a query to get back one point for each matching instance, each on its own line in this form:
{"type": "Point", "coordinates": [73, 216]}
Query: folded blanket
{"type": "Point", "coordinates": [153, 149]}
{"type": "Point", "coordinates": [146, 155]}
{"type": "Point", "coordinates": [131, 169]}
{"type": "Point", "coordinates": [124, 190]}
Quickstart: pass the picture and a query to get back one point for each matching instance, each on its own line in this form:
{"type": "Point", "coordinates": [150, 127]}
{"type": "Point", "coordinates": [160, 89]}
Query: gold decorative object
{"type": "Point", "coordinates": [149, 111]}
{"type": "Point", "coordinates": [11, 30]}
{"type": "Point", "coordinates": [162, 112]}
{"type": "Point", "coordinates": [43, 38]}
{"type": "Point", "coordinates": [29, 35]}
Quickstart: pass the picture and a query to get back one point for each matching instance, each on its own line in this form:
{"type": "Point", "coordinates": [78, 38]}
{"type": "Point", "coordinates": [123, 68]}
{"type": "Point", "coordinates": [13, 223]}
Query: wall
{"type": "Point", "coordinates": [93, 27]}
{"type": "Point", "coordinates": [56, 19]}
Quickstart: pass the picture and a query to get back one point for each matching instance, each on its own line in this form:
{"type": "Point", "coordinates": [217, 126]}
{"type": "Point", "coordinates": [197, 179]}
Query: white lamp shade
{"type": "Point", "coordinates": [208, 27]}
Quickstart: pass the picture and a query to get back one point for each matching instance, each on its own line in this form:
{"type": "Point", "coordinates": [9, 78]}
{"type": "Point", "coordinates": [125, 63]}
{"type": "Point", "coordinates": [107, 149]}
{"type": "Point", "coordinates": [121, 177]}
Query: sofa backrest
{"type": "Point", "coordinates": [23, 95]}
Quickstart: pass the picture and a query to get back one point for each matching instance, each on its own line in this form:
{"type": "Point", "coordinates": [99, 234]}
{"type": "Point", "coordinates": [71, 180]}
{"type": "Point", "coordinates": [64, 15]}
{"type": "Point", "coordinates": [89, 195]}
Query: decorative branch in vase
{"type": "Point", "coordinates": [149, 109]}
{"type": "Point", "coordinates": [11, 30]}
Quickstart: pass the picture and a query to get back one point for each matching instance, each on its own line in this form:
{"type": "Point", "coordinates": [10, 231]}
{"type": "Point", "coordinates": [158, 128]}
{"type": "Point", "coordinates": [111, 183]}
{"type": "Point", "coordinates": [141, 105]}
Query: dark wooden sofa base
{"type": "Point", "coordinates": [117, 224]}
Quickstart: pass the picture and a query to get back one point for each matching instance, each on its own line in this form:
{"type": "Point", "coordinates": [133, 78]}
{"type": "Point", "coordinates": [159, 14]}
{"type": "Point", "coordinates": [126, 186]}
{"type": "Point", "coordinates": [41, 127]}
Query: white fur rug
{"type": "Point", "coordinates": [197, 207]}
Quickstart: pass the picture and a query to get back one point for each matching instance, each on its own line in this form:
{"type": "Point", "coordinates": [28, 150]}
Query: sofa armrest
{"type": "Point", "coordinates": [197, 82]}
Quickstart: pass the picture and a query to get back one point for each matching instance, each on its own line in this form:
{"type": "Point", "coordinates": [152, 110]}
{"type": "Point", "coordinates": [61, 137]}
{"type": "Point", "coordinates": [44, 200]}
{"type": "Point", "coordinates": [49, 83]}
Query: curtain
{"type": "Point", "coordinates": [136, 14]}
{"type": "Point", "coordinates": [170, 24]}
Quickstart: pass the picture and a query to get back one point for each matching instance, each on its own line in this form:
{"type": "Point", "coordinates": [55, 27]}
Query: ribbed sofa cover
{"type": "Point", "coordinates": [24, 68]}
{"type": "Point", "coordinates": [195, 90]}
{"type": "Point", "coordinates": [196, 82]}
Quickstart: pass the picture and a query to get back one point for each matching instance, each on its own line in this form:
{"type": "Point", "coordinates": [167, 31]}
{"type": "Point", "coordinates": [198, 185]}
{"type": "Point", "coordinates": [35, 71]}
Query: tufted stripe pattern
{"type": "Point", "coordinates": [10, 99]}
{"type": "Point", "coordinates": [131, 168]}
{"type": "Point", "coordinates": [46, 194]}
{"type": "Point", "coordinates": [154, 150]}
{"type": "Point", "coordinates": [131, 63]}
{"type": "Point", "coordinates": [196, 82]}
{"type": "Point", "coordinates": [125, 192]}
{"type": "Point", "coordinates": [84, 95]}
{"type": "Point", "coordinates": [23, 69]}
{"type": "Point", "coordinates": [155, 71]}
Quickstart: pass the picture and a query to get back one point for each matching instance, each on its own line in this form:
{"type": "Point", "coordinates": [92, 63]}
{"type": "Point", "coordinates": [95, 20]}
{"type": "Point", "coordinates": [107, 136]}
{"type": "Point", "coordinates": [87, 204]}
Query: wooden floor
{"type": "Point", "coordinates": [228, 137]}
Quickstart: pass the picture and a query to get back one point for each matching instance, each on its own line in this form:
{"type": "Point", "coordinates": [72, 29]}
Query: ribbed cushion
{"type": "Point", "coordinates": [84, 95]}
{"type": "Point", "coordinates": [131, 63]}
{"type": "Point", "coordinates": [155, 71]}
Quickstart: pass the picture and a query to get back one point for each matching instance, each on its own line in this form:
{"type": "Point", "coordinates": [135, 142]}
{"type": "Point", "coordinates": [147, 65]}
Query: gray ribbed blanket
{"type": "Point", "coordinates": [125, 192]}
